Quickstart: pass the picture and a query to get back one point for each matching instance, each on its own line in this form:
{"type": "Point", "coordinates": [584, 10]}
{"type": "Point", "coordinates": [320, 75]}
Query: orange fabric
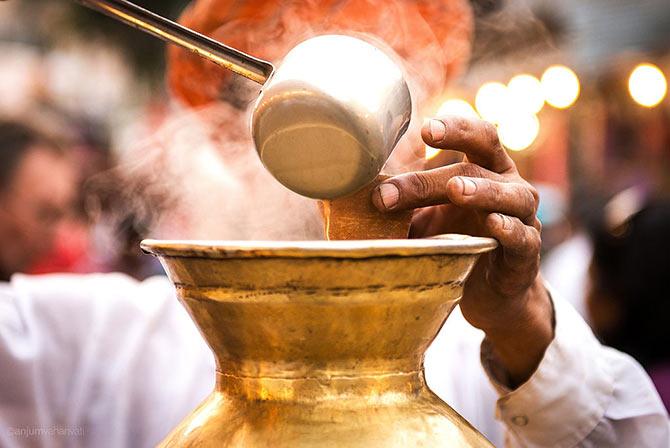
{"type": "Point", "coordinates": [432, 37]}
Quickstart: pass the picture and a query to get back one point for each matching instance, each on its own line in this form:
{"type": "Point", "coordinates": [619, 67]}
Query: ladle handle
{"type": "Point", "coordinates": [169, 31]}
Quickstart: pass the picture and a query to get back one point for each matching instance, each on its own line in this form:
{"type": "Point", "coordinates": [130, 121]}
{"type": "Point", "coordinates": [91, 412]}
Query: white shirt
{"type": "Point", "coordinates": [566, 268]}
{"type": "Point", "coordinates": [105, 361]}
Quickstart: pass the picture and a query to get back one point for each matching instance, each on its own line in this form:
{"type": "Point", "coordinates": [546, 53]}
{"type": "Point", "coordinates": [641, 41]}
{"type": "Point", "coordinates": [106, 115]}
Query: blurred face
{"type": "Point", "coordinates": [32, 206]}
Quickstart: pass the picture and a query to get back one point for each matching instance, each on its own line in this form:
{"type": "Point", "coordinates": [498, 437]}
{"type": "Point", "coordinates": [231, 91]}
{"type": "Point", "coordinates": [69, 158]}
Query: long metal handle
{"type": "Point", "coordinates": [169, 31]}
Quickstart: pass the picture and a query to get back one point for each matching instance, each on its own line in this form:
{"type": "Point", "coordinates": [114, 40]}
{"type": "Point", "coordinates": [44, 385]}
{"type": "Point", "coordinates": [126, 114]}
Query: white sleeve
{"type": "Point", "coordinates": [582, 394]}
{"type": "Point", "coordinates": [96, 360]}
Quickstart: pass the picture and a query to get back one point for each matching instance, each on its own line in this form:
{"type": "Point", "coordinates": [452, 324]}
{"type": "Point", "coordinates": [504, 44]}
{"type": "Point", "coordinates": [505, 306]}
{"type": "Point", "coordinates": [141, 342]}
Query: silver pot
{"type": "Point", "coordinates": [327, 120]}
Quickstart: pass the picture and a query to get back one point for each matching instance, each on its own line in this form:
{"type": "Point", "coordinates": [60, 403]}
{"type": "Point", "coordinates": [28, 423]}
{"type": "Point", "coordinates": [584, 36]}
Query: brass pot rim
{"type": "Point", "coordinates": [450, 244]}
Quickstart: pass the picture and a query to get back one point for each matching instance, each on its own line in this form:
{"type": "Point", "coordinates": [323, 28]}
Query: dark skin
{"type": "Point", "coordinates": [484, 196]}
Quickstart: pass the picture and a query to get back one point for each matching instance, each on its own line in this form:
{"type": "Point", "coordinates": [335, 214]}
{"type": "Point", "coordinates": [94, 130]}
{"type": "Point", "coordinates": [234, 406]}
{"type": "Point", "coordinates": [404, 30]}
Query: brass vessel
{"type": "Point", "coordinates": [321, 343]}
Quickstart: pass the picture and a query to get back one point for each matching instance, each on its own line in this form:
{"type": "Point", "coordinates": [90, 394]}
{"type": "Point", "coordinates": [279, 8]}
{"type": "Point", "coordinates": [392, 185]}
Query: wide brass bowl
{"type": "Point", "coordinates": [321, 343]}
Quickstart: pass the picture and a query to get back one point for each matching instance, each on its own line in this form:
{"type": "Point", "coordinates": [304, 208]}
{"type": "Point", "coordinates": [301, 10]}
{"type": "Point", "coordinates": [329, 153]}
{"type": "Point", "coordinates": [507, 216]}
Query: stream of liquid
{"type": "Point", "coordinates": [325, 213]}
{"type": "Point", "coordinates": [355, 217]}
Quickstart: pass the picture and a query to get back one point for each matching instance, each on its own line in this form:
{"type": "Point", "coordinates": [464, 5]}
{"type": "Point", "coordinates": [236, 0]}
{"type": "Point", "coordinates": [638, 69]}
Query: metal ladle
{"type": "Point", "coordinates": [326, 120]}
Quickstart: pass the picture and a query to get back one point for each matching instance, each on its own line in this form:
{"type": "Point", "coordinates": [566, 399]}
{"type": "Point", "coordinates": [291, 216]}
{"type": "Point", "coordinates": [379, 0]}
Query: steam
{"type": "Point", "coordinates": [199, 177]}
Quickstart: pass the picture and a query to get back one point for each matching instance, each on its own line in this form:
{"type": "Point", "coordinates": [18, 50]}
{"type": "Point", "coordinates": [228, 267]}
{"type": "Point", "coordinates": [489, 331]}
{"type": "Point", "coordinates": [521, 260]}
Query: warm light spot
{"type": "Point", "coordinates": [525, 91]}
{"type": "Point", "coordinates": [431, 152]}
{"type": "Point", "coordinates": [458, 107]}
{"type": "Point", "coordinates": [647, 85]}
{"type": "Point", "coordinates": [560, 86]}
{"type": "Point", "coordinates": [517, 131]}
{"type": "Point", "coordinates": [492, 101]}
{"type": "Point", "coordinates": [320, 58]}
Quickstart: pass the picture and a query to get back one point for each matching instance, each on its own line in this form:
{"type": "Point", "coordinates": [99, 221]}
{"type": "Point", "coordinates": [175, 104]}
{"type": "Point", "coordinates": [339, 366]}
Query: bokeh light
{"type": "Point", "coordinates": [647, 85]}
{"type": "Point", "coordinates": [560, 86]}
{"type": "Point", "coordinates": [517, 131]}
{"type": "Point", "coordinates": [456, 106]}
{"type": "Point", "coordinates": [431, 152]}
{"type": "Point", "coordinates": [525, 92]}
{"type": "Point", "coordinates": [453, 106]}
{"type": "Point", "coordinates": [492, 101]}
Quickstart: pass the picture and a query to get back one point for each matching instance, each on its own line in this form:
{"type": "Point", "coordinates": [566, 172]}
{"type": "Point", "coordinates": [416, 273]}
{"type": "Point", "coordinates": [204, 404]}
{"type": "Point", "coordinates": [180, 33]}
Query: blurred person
{"type": "Point", "coordinates": [629, 296]}
{"type": "Point", "coordinates": [37, 189]}
{"type": "Point", "coordinates": [90, 353]}
{"type": "Point", "coordinates": [89, 151]}
{"type": "Point", "coordinates": [97, 234]}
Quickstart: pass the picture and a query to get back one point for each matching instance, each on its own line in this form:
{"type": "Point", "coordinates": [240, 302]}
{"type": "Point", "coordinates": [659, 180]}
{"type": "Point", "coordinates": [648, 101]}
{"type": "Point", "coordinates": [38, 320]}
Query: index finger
{"type": "Point", "coordinates": [478, 139]}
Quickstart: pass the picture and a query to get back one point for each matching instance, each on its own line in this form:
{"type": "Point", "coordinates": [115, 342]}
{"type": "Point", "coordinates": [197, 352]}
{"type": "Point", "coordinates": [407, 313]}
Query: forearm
{"type": "Point", "coordinates": [518, 345]}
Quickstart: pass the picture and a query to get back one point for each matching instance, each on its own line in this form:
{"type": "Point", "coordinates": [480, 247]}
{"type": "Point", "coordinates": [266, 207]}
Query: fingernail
{"type": "Point", "coordinates": [468, 186]}
{"type": "Point", "coordinates": [437, 130]}
{"type": "Point", "coordinates": [389, 194]}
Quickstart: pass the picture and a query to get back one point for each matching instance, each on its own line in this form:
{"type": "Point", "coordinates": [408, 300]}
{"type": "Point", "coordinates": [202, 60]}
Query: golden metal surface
{"type": "Point", "coordinates": [321, 343]}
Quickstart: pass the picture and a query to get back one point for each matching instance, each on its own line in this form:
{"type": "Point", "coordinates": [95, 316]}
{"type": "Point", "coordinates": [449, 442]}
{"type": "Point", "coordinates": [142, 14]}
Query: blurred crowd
{"type": "Point", "coordinates": [67, 111]}
{"type": "Point", "coordinates": [55, 214]}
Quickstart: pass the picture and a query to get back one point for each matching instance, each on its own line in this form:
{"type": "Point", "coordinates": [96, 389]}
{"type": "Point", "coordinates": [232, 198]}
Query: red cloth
{"type": "Point", "coordinates": [70, 252]}
{"type": "Point", "coordinates": [432, 37]}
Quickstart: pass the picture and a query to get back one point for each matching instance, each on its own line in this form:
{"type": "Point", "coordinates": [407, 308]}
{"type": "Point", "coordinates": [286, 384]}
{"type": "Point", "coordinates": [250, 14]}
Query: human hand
{"type": "Point", "coordinates": [484, 196]}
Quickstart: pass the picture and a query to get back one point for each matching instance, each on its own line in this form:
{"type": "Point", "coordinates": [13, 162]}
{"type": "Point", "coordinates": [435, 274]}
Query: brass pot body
{"type": "Point", "coordinates": [321, 343]}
